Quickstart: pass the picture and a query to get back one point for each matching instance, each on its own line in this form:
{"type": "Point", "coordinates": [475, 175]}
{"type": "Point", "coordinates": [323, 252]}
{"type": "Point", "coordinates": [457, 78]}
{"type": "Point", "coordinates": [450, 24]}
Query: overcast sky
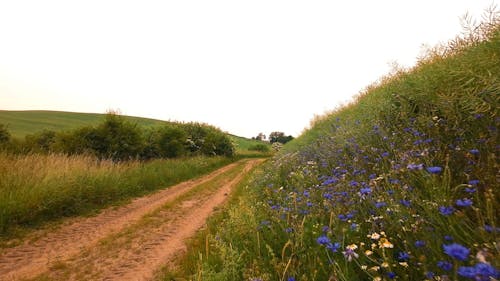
{"type": "Point", "coordinates": [244, 66]}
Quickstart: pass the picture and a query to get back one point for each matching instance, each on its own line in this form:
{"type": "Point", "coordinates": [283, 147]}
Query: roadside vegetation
{"type": "Point", "coordinates": [38, 188]}
{"type": "Point", "coordinates": [53, 174]}
{"type": "Point", "coordinates": [401, 184]}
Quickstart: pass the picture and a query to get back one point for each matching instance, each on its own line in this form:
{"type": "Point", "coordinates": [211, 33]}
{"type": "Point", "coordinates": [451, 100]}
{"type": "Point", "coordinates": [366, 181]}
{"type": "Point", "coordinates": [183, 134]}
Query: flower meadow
{"type": "Point", "coordinates": [401, 184]}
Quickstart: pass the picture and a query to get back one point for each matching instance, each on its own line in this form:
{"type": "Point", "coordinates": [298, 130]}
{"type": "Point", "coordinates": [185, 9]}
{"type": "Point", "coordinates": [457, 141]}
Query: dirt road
{"type": "Point", "coordinates": [125, 243]}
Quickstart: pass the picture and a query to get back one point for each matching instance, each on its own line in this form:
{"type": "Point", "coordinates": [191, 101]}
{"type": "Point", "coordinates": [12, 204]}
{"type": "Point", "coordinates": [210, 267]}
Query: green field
{"type": "Point", "coordinates": [22, 123]}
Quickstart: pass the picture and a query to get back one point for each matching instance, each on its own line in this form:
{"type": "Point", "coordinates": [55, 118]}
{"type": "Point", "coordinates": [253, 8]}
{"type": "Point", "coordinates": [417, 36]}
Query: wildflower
{"type": "Point", "coordinates": [380, 204]}
{"type": "Point", "coordinates": [368, 253]}
{"type": "Point", "coordinates": [349, 253]}
{"type": "Point", "coordinates": [419, 243]}
{"type": "Point", "coordinates": [403, 256]}
{"type": "Point", "coordinates": [323, 240]}
{"type": "Point", "coordinates": [491, 229]}
{"type": "Point", "coordinates": [429, 275]}
{"type": "Point", "coordinates": [405, 203]}
{"type": "Point", "coordinates": [470, 190]}
{"type": "Point", "coordinates": [384, 243]}
{"type": "Point", "coordinates": [456, 251]}
{"type": "Point", "coordinates": [464, 202]}
{"type": "Point", "coordinates": [333, 247]}
{"type": "Point", "coordinates": [385, 264]}
{"type": "Point", "coordinates": [473, 182]}
{"type": "Point", "coordinates": [374, 236]}
{"type": "Point", "coordinates": [291, 279]}
{"type": "Point", "coordinates": [445, 265]}
{"type": "Point", "coordinates": [446, 211]}
{"type": "Point", "coordinates": [434, 170]}
{"type": "Point", "coordinates": [365, 190]}
{"type": "Point", "coordinates": [481, 271]}
{"type": "Point", "coordinates": [474, 151]}
{"type": "Point", "coordinates": [391, 275]}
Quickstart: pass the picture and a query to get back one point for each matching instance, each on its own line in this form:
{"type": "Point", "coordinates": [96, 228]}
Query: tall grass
{"type": "Point", "coordinates": [401, 184]}
{"type": "Point", "coordinates": [38, 188]}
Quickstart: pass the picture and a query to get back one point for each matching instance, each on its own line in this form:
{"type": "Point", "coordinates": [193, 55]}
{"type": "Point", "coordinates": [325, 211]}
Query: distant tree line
{"type": "Point", "coordinates": [119, 140]}
{"type": "Point", "coordinates": [274, 137]}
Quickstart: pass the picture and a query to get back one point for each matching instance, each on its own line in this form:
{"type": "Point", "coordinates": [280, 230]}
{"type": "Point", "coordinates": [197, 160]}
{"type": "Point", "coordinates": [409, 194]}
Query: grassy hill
{"type": "Point", "coordinates": [22, 123]}
{"type": "Point", "coordinates": [401, 184]}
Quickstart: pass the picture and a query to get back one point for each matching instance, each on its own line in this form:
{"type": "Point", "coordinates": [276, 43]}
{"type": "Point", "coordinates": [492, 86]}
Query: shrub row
{"type": "Point", "coordinates": [118, 139]}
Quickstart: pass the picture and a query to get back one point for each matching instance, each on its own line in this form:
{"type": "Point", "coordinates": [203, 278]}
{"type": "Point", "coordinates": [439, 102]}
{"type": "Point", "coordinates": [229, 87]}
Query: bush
{"type": "Point", "coordinates": [259, 147]}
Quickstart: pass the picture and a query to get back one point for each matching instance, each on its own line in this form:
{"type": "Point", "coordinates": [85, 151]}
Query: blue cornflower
{"type": "Point", "coordinates": [491, 229]}
{"type": "Point", "coordinates": [333, 247]}
{"type": "Point", "coordinates": [385, 154]}
{"type": "Point", "coordinates": [323, 240]}
{"type": "Point", "coordinates": [467, 271]}
{"type": "Point", "coordinates": [289, 230]}
{"type": "Point", "coordinates": [474, 151]}
{"type": "Point", "coordinates": [486, 270]}
{"type": "Point", "coordinates": [464, 202]}
{"type": "Point", "coordinates": [391, 275]}
{"type": "Point", "coordinates": [456, 251]}
{"type": "Point", "coordinates": [429, 274]}
{"type": "Point", "coordinates": [419, 243]}
{"type": "Point", "coordinates": [380, 204]}
{"type": "Point", "coordinates": [434, 170]}
{"type": "Point", "coordinates": [365, 190]}
{"type": "Point", "coordinates": [481, 271]}
{"type": "Point", "coordinates": [405, 203]}
{"type": "Point", "coordinates": [473, 182]}
{"type": "Point", "coordinates": [445, 265]}
{"type": "Point", "coordinates": [403, 256]}
{"type": "Point", "coordinates": [446, 210]}
{"type": "Point", "coordinates": [470, 190]}
{"type": "Point", "coordinates": [291, 279]}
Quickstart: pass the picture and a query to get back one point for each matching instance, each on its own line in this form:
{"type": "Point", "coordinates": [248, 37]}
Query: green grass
{"type": "Point", "coordinates": [381, 188]}
{"type": "Point", "coordinates": [35, 189]}
{"type": "Point", "coordinates": [22, 123]}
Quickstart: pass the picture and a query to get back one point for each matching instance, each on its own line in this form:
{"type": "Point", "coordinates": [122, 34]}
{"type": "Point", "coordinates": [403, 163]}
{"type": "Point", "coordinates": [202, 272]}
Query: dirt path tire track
{"type": "Point", "coordinates": [80, 235]}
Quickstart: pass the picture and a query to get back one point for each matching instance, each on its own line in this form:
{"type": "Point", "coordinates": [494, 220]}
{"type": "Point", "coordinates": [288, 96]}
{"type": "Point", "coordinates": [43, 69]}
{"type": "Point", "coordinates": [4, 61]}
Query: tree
{"type": "Point", "coordinates": [260, 137]}
{"type": "Point", "coordinates": [279, 137]}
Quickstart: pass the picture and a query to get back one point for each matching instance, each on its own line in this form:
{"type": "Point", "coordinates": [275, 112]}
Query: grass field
{"type": "Point", "coordinates": [38, 188]}
{"type": "Point", "coordinates": [21, 123]}
{"type": "Point", "coordinates": [401, 184]}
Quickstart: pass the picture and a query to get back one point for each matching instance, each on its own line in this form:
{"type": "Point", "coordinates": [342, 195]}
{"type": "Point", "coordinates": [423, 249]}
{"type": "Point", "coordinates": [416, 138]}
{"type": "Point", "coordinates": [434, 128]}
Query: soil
{"type": "Point", "coordinates": [131, 242]}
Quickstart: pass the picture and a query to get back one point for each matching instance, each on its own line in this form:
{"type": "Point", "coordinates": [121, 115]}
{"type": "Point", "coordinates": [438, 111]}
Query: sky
{"type": "Point", "coordinates": [244, 66]}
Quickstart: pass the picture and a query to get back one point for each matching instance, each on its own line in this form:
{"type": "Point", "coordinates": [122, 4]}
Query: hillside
{"type": "Point", "coordinates": [21, 123]}
{"type": "Point", "coordinates": [401, 184]}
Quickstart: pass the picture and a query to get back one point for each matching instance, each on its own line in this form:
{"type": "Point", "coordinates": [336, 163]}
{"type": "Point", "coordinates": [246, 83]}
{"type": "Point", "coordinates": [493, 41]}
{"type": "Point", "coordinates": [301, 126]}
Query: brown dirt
{"type": "Point", "coordinates": [126, 243]}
